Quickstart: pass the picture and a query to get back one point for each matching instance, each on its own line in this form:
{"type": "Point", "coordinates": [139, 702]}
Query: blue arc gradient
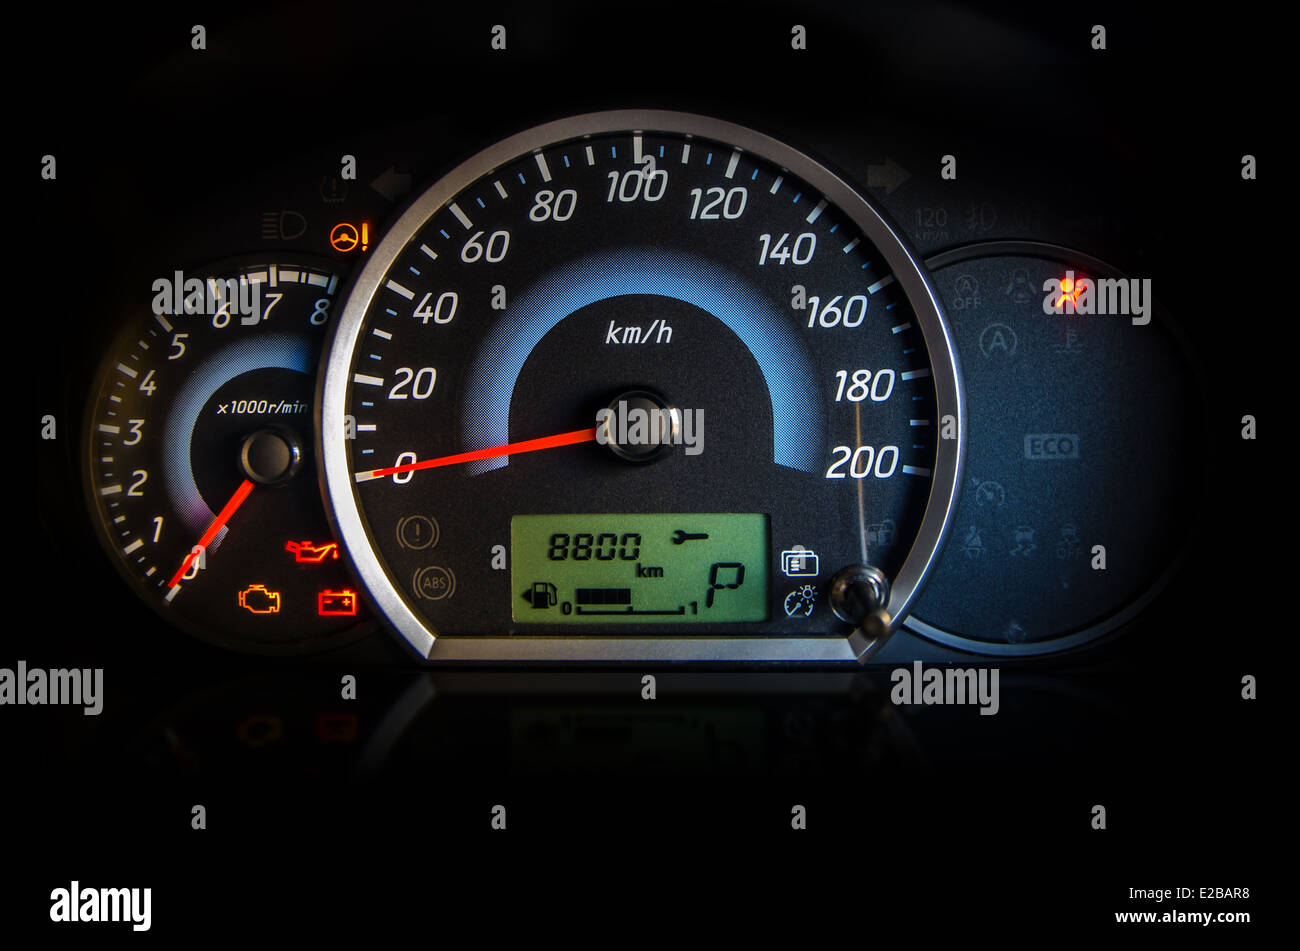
{"type": "Point", "coordinates": [272, 352]}
{"type": "Point", "coordinates": [766, 331]}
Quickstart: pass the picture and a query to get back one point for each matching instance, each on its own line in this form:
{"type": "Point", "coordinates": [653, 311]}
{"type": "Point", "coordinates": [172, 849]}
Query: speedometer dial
{"type": "Point", "coordinates": [641, 386]}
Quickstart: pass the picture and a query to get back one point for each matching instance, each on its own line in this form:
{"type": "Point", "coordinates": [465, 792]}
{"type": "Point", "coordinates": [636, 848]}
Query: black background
{"type": "Point", "coordinates": [616, 827]}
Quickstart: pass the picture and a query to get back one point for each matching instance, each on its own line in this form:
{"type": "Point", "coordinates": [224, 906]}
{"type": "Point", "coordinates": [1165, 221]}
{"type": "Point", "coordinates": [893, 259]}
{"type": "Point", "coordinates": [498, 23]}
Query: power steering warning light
{"type": "Point", "coordinates": [346, 237]}
{"type": "Point", "coordinates": [341, 603]}
{"type": "Point", "coordinates": [258, 599]}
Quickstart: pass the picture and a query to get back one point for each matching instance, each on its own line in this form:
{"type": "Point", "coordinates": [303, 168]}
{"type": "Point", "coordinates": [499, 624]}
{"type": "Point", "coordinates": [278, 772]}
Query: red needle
{"type": "Point", "coordinates": [510, 449]}
{"type": "Point", "coordinates": [223, 516]}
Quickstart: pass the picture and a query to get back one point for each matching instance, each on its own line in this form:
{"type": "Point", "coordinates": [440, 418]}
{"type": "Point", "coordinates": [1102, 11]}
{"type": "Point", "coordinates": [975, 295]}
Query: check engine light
{"type": "Point", "coordinates": [258, 599]}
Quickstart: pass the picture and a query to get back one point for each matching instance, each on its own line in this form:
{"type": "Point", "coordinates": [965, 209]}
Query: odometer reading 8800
{"type": "Point", "coordinates": [578, 569]}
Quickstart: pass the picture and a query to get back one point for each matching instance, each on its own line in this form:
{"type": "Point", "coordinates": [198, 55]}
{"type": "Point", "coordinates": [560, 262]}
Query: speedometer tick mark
{"type": "Point", "coordinates": [394, 286]}
{"type": "Point", "coordinates": [543, 167]}
{"type": "Point", "coordinates": [461, 216]}
{"type": "Point", "coordinates": [731, 165]}
{"type": "Point", "coordinates": [433, 255]}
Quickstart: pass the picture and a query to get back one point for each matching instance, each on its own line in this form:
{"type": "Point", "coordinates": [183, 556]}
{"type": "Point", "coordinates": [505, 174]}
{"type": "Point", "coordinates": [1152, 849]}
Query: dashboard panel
{"type": "Point", "coordinates": [344, 319]}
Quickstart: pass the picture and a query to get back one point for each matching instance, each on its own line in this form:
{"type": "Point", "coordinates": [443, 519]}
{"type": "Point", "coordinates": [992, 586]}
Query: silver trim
{"type": "Point", "coordinates": [903, 262]}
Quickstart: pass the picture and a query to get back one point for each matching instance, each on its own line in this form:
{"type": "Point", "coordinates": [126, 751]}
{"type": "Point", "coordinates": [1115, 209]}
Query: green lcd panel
{"type": "Point", "coordinates": [644, 569]}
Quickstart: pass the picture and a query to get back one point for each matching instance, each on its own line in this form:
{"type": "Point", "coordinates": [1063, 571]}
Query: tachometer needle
{"type": "Point", "coordinates": [510, 449]}
{"type": "Point", "coordinates": [223, 516]}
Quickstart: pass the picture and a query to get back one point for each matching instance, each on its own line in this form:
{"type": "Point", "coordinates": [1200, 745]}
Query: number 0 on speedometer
{"type": "Point", "coordinates": [641, 386]}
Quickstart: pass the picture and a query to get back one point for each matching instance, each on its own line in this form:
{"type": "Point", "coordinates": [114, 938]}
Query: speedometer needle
{"type": "Point", "coordinates": [510, 449]}
{"type": "Point", "coordinates": [223, 516]}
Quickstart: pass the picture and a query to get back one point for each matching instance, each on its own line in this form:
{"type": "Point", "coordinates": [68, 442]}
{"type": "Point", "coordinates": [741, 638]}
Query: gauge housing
{"type": "Point", "coordinates": [338, 485]}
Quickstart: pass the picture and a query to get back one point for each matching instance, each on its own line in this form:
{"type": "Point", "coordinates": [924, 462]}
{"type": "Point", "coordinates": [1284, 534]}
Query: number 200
{"type": "Point", "coordinates": [864, 461]}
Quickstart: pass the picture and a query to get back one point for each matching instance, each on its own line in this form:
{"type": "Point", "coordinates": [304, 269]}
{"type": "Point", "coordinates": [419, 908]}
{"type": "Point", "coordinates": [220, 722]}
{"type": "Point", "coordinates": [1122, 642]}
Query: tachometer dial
{"type": "Point", "coordinates": [641, 386]}
{"type": "Point", "coordinates": [200, 464]}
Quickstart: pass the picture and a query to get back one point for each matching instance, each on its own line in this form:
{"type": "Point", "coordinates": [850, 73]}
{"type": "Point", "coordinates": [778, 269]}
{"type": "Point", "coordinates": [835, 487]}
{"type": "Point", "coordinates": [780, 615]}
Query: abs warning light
{"type": "Point", "coordinates": [341, 603]}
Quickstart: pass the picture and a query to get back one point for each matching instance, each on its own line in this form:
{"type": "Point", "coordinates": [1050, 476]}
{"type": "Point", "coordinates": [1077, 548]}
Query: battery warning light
{"type": "Point", "coordinates": [346, 236]}
{"type": "Point", "coordinates": [341, 603]}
